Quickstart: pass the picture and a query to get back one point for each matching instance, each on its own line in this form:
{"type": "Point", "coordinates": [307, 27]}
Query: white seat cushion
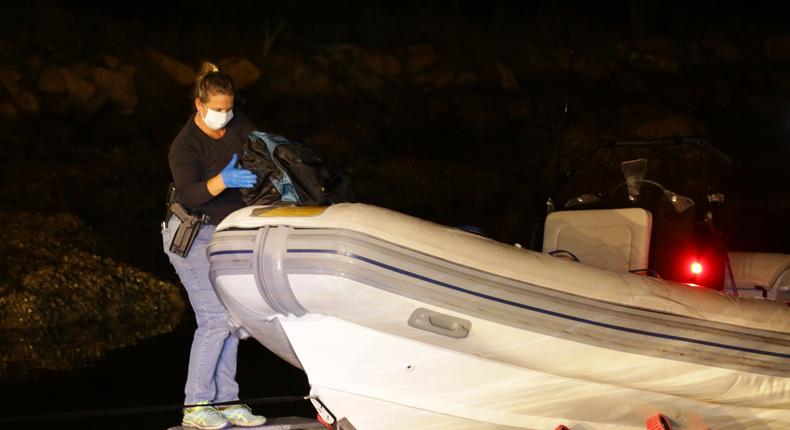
{"type": "Point", "coordinates": [614, 239]}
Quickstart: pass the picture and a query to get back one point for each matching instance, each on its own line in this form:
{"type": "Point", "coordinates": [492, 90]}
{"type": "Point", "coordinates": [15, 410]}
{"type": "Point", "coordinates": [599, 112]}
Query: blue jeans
{"type": "Point", "coordinates": [212, 359]}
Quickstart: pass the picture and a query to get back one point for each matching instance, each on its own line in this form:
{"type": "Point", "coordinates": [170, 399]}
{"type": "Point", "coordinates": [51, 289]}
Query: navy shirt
{"type": "Point", "coordinates": [195, 158]}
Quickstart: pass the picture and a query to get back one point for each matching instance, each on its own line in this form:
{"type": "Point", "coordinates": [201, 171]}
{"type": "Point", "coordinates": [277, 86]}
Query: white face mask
{"type": "Point", "coordinates": [215, 120]}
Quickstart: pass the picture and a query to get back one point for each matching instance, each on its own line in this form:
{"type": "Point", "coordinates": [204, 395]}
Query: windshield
{"type": "Point", "coordinates": [621, 174]}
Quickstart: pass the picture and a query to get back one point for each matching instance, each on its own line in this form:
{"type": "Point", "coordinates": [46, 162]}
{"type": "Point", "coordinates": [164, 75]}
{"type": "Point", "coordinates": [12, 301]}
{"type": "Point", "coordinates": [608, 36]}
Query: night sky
{"type": "Point", "coordinates": [451, 111]}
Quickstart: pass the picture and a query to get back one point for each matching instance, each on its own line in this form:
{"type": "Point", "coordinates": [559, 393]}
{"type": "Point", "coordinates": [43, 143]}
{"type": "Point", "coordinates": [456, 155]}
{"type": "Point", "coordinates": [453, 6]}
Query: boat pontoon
{"type": "Point", "coordinates": [402, 323]}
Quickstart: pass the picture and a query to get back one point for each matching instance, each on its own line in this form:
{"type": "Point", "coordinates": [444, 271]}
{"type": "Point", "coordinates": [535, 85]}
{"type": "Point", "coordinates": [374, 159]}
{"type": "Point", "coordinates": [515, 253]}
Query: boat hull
{"type": "Point", "coordinates": [389, 334]}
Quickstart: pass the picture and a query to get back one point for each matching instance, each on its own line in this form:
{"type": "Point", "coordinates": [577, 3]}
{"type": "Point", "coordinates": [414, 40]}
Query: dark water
{"type": "Point", "coordinates": [151, 373]}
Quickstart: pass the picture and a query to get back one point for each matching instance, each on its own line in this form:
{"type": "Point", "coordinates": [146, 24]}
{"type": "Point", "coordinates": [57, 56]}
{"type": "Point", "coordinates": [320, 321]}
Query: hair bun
{"type": "Point", "coordinates": [206, 68]}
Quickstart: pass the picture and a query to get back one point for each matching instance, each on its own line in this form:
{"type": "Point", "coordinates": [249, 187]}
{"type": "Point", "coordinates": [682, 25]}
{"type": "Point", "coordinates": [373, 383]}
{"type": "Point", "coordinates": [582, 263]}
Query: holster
{"type": "Point", "coordinates": [189, 228]}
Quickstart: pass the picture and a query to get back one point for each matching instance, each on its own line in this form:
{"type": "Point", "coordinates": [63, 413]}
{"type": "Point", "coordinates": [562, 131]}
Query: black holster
{"type": "Point", "coordinates": [189, 228]}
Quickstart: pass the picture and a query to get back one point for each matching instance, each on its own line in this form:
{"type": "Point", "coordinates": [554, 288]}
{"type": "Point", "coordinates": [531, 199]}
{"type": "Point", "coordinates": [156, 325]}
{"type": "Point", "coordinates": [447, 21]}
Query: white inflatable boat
{"type": "Point", "coordinates": [400, 323]}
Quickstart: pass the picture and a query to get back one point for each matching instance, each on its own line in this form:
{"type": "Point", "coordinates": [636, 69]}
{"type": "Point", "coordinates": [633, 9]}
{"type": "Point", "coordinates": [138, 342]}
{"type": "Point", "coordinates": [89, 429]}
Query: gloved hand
{"type": "Point", "coordinates": [234, 177]}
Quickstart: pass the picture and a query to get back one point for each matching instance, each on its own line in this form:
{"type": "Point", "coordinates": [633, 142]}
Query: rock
{"type": "Point", "coordinates": [180, 72]}
{"type": "Point", "coordinates": [34, 65]}
{"type": "Point", "coordinates": [384, 65]}
{"type": "Point", "coordinates": [537, 61]}
{"type": "Point", "coordinates": [282, 70]}
{"type": "Point", "coordinates": [507, 78]}
{"type": "Point", "coordinates": [420, 57]}
{"type": "Point", "coordinates": [55, 103]}
{"type": "Point", "coordinates": [79, 90]}
{"type": "Point", "coordinates": [777, 48]}
{"type": "Point", "coordinates": [653, 63]}
{"type": "Point", "coordinates": [27, 102]}
{"type": "Point", "coordinates": [520, 107]}
{"type": "Point", "coordinates": [9, 79]}
{"type": "Point", "coordinates": [51, 81]}
{"type": "Point", "coordinates": [593, 68]}
{"type": "Point", "coordinates": [118, 87]}
{"type": "Point", "coordinates": [658, 46]}
{"type": "Point", "coordinates": [93, 303]}
{"type": "Point", "coordinates": [8, 110]}
{"type": "Point", "coordinates": [437, 77]}
{"type": "Point", "coordinates": [110, 61]}
{"type": "Point", "coordinates": [305, 75]}
{"type": "Point", "coordinates": [358, 69]}
{"type": "Point", "coordinates": [127, 71]}
{"type": "Point", "coordinates": [332, 146]}
{"type": "Point", "coordinates": [465, 79]}
{"type": "Point", "coordinates": [655, 56]}
{"type": "Point", "coordinates": [81, 70]}
{"type": "Point", "coordinates": [559, 60]}
{"type": "Point", "coordinates": [243, 72]}
{"type": "Point", "coordinates": [344, 53]}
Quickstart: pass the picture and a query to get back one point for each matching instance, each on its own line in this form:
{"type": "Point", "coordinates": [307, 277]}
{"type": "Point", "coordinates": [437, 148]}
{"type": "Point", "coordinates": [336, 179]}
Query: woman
{"type": "Point", "coordinates": [203, 162]}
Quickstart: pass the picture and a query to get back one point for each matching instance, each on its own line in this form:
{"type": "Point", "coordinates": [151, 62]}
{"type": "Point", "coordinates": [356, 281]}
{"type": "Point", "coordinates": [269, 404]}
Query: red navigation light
{"type": "Point", "coordinates": [696, 268]}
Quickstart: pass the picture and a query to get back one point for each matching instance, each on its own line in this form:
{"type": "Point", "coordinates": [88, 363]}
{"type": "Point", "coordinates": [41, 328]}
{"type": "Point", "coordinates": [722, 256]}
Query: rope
{"type": "Point", "coordinates": [145, 409]}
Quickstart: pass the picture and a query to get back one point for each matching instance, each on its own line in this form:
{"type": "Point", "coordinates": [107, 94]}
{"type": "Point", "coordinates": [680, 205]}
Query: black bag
{"type": "Point", "coordinates": [290, 172]}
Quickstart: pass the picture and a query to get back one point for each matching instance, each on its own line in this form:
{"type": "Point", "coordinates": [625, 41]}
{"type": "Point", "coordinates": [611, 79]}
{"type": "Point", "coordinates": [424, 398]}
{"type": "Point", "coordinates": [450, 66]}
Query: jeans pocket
{"type": "Point", "coordinates": [168, 231]}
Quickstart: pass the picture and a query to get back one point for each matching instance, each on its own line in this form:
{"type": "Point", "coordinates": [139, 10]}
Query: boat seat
{"type": "Point", "coordinates": [762, 274]}
{"type": "Point", "coordinates": [613, 239]}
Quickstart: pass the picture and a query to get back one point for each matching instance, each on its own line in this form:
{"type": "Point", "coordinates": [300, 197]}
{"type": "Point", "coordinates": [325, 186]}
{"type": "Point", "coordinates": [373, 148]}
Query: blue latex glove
{"type": "Point", "coordinates": [234, 177]}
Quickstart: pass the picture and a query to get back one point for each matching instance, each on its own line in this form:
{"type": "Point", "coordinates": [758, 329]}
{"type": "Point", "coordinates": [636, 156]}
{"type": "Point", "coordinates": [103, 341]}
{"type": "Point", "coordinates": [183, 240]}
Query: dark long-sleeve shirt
{"type": "Point", "coordinates": [195, 158]}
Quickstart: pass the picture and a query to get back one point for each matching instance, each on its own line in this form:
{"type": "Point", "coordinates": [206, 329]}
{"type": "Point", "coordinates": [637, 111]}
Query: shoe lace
{"type": "Point", "coordinates": [236, 411]}
{"type": "Point", "coordinates": [202, 412]}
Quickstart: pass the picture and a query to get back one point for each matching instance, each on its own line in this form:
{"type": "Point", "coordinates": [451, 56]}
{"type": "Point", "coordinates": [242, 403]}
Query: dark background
{"type": "Point", "coordinates": [450, 111]}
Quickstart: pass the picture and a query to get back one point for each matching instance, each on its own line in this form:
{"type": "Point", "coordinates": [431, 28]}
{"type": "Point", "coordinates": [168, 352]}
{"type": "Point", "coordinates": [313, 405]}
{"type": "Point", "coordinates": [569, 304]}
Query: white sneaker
{"type": "Point", "coordinates": [204, 418]}
{"type": "Point", "coordinates": [241, 416]}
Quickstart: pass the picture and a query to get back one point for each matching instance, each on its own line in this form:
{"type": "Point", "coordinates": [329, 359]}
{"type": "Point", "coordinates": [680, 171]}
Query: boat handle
{"type": "Point", "coordinates": [439, 323]}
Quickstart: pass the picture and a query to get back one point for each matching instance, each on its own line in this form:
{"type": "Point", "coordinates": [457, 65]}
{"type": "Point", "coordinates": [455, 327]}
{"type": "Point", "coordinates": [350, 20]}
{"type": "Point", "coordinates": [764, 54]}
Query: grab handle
{"type": "Point", "coordinates": [439, 323]}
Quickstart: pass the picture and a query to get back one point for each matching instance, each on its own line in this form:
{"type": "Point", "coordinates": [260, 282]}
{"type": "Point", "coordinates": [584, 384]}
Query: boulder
{"type": "Point", "coordinates": [110, 61]}
{"type": "Point", "coordinates": [420, 57]}
{"type": "Point", "coordinates": [8, 110]}
{"type": "Point", "coordinates": [243, 72]}
{"type": "Point", "coordinates": [34, 65]}
{"type": "Point", "coordinates": [658, 56]}
{"type": "Point", "coordinates": [79, 90]}
{"type": "Point", "coordinates": [305, 75]}
{"type": "Point", "coordinates": [382, 64]}
{"type": "Point", "coordinates": [654, 63]}
{"type": "Point", "coordinates": [27, 102]}
{"type": "Point", "coordinates": [51, 81]}
{"type": "Point", "coordinates": [81, 70]}
{"type": "Point", "coordinates": [282, 70]}
{"type": "Point", "coordinates": [438, 77]}
{"type": "Point", "coordinates": [537, 61]}
{"type": "Point", "coordinates": [118, 88]}
{"type": "Point", "coordinates": [507, 78]}
{"type": "Point", "coordinates": [332, 145]}
{"type": "Point", "coordinates": [180, 72]}
{"type": "Point", "coordinates": [9, 79]}
{"type": "Point", "coordinates": [593, 67]}
{"type": "Point", "coordinates": [465, 79]}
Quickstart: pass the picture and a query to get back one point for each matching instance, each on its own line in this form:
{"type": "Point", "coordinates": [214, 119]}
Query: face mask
{"type": "Point", "coordinates": [215, 120]}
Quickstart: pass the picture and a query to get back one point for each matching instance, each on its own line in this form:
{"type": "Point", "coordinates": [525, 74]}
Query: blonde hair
{"type": "Point", "coordinates": [211, 80]}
